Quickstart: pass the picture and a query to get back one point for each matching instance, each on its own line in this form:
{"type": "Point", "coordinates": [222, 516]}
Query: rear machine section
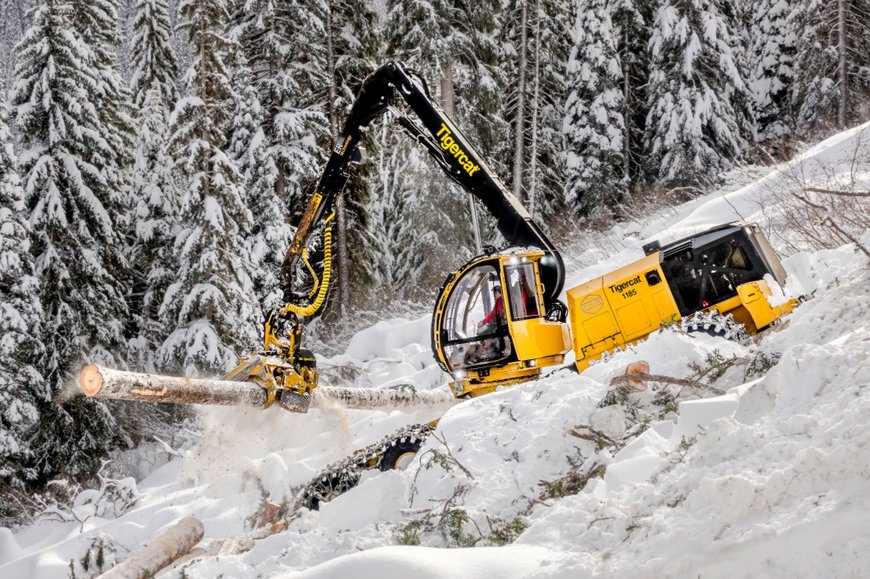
{"type": "Point", "coordinates": [724, 270]}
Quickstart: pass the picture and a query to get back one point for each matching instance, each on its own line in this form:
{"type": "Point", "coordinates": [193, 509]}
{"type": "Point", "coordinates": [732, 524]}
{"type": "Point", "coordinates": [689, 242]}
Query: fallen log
{"type": "Point", "coordinates": [176, 542]}
{"type": "Point", "coordinates": [100, 382]}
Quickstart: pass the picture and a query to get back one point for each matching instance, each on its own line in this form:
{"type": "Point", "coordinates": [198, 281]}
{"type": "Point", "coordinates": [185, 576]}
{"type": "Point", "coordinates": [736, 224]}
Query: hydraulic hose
{"type": "Point", "coordinates": [323, 290]}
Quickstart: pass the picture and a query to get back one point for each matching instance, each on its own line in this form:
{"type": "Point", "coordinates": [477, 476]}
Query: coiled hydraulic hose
{"type": "Point", "coordinates": [314, 307]}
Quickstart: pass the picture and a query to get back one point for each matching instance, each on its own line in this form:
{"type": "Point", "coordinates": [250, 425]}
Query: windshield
{"type": "Point", "coordinates": [475, 321]}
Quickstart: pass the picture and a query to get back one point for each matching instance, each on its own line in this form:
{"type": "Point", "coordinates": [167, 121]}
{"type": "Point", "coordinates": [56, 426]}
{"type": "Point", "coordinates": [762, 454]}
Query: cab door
{"type": "Point", "coordinates": [474, 328]}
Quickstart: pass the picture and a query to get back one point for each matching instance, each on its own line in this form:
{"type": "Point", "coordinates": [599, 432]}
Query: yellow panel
{"type": "Point", "coordinates": [633, 320]}
{"type": "Point", "coordinates": [666, 307]}
{"type": "Point", "coordinates": [539, 338]}
{"type": "Point", "coordinates": [751, 295]}
{"type": "Point", "coordinates": [600, 327]}
{"type": "Point", "coordinates": [612, 283]}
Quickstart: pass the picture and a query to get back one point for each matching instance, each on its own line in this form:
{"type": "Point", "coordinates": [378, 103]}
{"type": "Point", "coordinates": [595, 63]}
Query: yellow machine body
{"type": "Point", "coordinates": [617, 308]}
{"type": "Point", "coordinates": [724, 269]}
{"type": "Point", "coordinates": [623, 306]}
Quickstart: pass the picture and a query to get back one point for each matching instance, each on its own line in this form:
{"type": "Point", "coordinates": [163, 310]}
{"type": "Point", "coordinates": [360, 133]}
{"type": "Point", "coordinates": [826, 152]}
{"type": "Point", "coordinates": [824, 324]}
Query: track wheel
{"type": "Point", "coordinates": [329, 487]}
{"type": "Point", "coordinates": [400, 454]}
{"type": "Point", "coordinates": [715, 324]}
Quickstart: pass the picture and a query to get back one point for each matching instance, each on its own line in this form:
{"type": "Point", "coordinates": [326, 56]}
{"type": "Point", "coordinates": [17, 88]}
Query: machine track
{"type": "Point", "coordinates": [715, 324]}
{"type": "Point", "coordinates": [388, 453]}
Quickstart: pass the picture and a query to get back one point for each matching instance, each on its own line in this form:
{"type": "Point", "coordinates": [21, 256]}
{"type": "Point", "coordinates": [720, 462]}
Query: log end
{"type": "Point", "coordinates": [90, 380]}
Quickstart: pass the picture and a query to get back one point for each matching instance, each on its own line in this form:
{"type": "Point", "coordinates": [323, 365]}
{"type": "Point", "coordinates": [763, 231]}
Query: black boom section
{"type": "Point", "coordinates": [450, 149]}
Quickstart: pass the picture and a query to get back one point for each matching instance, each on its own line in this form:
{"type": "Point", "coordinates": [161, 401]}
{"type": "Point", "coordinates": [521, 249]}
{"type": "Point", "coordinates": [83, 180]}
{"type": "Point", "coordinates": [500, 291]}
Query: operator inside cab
{"type": "Point", "coordinates": [495, 317]}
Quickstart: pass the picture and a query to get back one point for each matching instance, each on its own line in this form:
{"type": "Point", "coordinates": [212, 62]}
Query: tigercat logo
{"type": "Point", "coordinates": [448, 143]}
{"type": "Point", "coordinates": [619, 287]}
{"type": "Point", "coordinates": [592, 304]}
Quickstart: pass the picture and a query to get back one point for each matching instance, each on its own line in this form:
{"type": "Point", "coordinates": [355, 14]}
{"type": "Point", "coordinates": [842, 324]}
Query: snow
{"type": "Point", "coordinates": [762, 472]}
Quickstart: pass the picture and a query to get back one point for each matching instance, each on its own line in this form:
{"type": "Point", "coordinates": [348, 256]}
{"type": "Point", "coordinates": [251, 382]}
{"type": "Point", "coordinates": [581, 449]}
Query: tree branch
{"type": "Point", "coordinates": [840, 193]}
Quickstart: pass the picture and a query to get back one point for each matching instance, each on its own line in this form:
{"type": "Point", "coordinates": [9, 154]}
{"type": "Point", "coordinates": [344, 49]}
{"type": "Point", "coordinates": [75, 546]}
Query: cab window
{"type": "Point", "coordinates": [522, 292]}
{"type": "Point", "coordinates": [475, 321]}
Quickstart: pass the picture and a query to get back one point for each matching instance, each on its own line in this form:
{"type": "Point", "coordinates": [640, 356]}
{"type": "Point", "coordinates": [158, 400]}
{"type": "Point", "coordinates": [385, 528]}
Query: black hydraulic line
{"type": "Point", "coordinates": [450, 149]}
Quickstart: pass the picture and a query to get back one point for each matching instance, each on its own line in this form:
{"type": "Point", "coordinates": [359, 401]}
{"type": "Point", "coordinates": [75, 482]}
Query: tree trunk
{"type": "Point", "coordinates": [536, 95]}
{"type": "Point", "coordinates": [626, 119]}
{"type": "Point", "coordinates": [841, 110]}
{"type": "Point", "coordinates": [448, 93]}
{"type": "Point", "coordinates": [341, 234]}
{"type": "Point", "coordinates": [100, 382]}
{"type": "Point", "coordinates": [520, 123]}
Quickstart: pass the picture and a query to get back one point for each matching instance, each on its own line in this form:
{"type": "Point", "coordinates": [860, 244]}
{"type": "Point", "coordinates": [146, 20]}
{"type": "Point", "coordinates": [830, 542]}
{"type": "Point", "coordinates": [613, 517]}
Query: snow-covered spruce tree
{"type": "Point", "coordinates": [536, 47]}
{"type": "Point", "coordinates": [96, 22]}
{"type": "Point", "coordinates": [74, 213]}
{"type": "Point", "coordinates": [396, 233]}
{"type": "Point", "coordinates": [418, 32]}
{"type": "Point", "coordinates": [454, 49]}
{"type": "Point", "coordinates": [156, 222]}
{"type": "Point", "coordinates": [283, 44]}
{"type": "Point", "coordinates": [258, 173]}
{"type": "Point", "coordinates": [210, 304]}
{"type": "Point", "coordinates": [153, 60]}
{"type": "Point", "coordinates": [698, 118]}
{"type": "Point", "coordinates": [832, 66]}
{"type": "Point", "coordinates": [594, 125]}
{"type": "Point", "coordinates": [352, 48]}
{"type": "Point", "coordinates": [770, 56]}
{"type": "Point", "coordinates": [22, 388]}
{"type": "Point", "coordinates": [631, 24]}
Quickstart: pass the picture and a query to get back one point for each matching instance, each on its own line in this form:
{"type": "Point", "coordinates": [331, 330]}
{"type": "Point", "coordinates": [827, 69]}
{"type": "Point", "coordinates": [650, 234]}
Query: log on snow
{"type": "Point", "coordinates": [101, 382]}
{"type": "Point", "coordinates": [404, 398]}
{"type": "Point", "coordinates": [177, 541]}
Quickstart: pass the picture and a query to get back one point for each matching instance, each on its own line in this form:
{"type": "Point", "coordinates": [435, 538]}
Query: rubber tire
{"type": "Point", "coordinates": [393, 455]}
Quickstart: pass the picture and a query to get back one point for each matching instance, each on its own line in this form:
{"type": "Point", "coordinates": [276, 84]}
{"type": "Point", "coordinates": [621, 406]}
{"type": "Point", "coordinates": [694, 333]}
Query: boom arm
{"type": "Point", "coordinates": [450, 149]}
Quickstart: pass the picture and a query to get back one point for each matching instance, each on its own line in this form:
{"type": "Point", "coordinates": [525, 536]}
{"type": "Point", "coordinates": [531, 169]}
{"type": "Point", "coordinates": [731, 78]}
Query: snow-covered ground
{"type": "Point", "coordinates": [762, 470]}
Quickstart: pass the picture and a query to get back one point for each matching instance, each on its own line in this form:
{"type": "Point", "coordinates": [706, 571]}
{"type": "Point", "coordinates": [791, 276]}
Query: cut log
{"type": "Point", "coordinates": [101, 382]}
{"type": "Point", "coordinates": [176, 542]}
{"type": "Point", "coordinates": [405, 398]}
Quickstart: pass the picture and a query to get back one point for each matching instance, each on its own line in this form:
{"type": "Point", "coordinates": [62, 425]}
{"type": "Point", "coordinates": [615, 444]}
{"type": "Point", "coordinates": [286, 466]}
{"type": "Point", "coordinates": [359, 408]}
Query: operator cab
{"type": "Point", "coordinates": [489, 327]}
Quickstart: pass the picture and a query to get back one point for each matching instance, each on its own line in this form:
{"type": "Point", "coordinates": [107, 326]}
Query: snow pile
{"type": "Point", "coordinates": [752, 461]}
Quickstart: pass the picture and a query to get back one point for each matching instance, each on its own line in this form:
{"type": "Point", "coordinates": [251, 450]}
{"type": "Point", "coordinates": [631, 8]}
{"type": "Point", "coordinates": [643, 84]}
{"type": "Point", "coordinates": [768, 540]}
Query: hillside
{"type": "Point", "coordinates": [759, 469]}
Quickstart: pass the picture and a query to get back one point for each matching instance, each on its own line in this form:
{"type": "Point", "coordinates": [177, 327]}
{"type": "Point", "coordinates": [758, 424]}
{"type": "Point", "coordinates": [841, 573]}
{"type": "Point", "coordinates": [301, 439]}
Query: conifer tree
{"type": "Point", "coordinates": [74, 212]}
{"type": "Point", "coordinates": [632, 20]}
{"type": "Point", "coordinates": [396, 232]}
{"type": "Point", "coordinates": [594, 124]}
{"type": "Point", "coordinates": [156, 223]}
{"type": "Point", "coordinates": [770, 55]}
{"type": "Point", "coordinates": [418, 32]}
{"type": "Point", "coordinates": [22, 387]}
{"type": "Point", "coordinates": [283, 44]}
{"type": "Point", "coordinates": [698, 116]}
{"type": "Point", "coordinates": [153, 60]}
{"type": "Point", "coordinates": [453, 47]}
{"type": "Point", "coordinates": [96, 23]}
{"type": "Point", "coordinates": [352, 48]}
{"type": "Point", "coordinates": [536, 49]}
{"type": "Point", "coordinates": [210, 303]}
{"type": "Point", "coordinates": [832, 66]}
{"type": "Point", "coordinates": [258, 173]}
